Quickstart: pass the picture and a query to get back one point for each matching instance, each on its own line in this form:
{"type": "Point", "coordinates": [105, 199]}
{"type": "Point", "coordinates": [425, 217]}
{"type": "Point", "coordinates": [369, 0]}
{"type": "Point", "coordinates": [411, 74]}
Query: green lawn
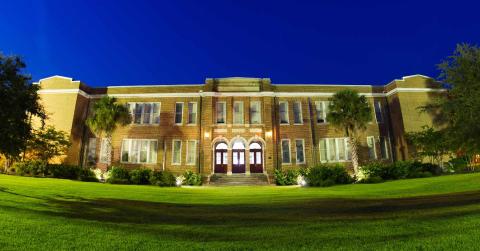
{"type": "Point", "coordinates": [441, 213]}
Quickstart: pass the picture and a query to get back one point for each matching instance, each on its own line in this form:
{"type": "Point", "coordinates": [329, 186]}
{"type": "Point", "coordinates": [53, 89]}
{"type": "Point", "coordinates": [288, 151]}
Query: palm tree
{"type": "Point", "coordinates": [350, 112]}
{"type": "Point", "coordinates": [106, 116]}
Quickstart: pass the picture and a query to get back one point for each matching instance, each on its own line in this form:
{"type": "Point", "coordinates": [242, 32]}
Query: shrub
{"type": "Point", "coordinates": [400, 170]}
{"type": "Point", "coordinates": [285, 178]}
{"type": "Point", "coordinates": [31, 168]}
{"type": "Point", "coordinates": [88, 175]}
{"type": "Point", "coordinates": [373, 169]}
{"type": "Point", "coordinates": [458, 164]}
{"type": "Point", "coordinates": [192, 179]}
{"type": "Point", "coordinates": [63, 171]}
{"type": "Point", "coordinates": [328, 175]}
{"type": "Point", "coordinates": [118, 175]}
{"type": "Point", "coordinates": [163, 179]}
{"type": "Point", "coordinates": [371, 180]}
{"type": "Point", "coordinates": [140, 176]}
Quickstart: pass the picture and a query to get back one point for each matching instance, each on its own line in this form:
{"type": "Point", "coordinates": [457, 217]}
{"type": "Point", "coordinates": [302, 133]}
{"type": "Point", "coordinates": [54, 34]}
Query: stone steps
{"type": "Point", "coordinates": [238, 180]}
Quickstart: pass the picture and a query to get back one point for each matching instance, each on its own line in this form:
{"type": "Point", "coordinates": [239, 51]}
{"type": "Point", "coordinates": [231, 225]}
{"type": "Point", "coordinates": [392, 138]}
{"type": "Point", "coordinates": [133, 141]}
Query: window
{"type": "Point", "coordinates": [238, 112]}
{"type": "Point", "coordinates": [255, 112]}
{"type": "Point", "coordinates": [92, 151]}
{"type": "Point", "coordinates": [300, 151]}
{"type": "Point", "coordinates": [372, 153]}
{"type": "Point", "coordinates": [321, 109]}
{"type": "Point", "coordinates": [177, 152]}
{"type": "Point", "coordinates": [139, 151]}
{"type": "Point", "coordinates": [192, 113]}
{"type": "Point", "coordinates": [334, 150]}
{"type": "Point", "coordinates": [178, 113]}
{"type": "Point", "coordinates": [286, 151]}
{"type": "Point", "coordinates": [191, 152]}
{"type": "Point", "coordinates": [221, 112]}
{"type": "Point", "coordinates": [384, 150]}
{"type": "Point", "coordinates": [297, 113]}
{"type": "Point", "coordinates": [378, 111]}
{"type": "Point", "coordinates": [144, 113]}
{"type": "Point", "coordinates": [283, 110]}
{"type": "Point", "coordinates": [105, 150]}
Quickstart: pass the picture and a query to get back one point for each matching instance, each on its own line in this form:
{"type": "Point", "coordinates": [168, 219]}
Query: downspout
{"type": "Point", "coordinates": [164, 153]}
{"type": "Point", "coordinates": [312, 130]}
{"type": "Point", "coordinates": [276, 133]}
{"type": "Point", "coordinates": [200, 142]}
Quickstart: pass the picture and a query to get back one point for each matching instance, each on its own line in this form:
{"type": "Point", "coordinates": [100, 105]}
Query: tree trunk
{"type": "Point", "coordinates": [353, 145]}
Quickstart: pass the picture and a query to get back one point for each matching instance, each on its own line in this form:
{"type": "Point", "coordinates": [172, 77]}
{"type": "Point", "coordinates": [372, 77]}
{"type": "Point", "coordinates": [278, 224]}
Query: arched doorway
{"type": "Point", "coordinates": [221, 158]}
{"type": "Point", "coordinates": [238, 157]}
{"type": "Point", "coordinates": [256, 158]}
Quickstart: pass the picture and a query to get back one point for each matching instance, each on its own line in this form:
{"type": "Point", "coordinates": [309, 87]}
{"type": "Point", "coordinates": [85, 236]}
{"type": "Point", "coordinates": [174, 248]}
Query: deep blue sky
{"type": "Point", "coordinates": [147, 42]}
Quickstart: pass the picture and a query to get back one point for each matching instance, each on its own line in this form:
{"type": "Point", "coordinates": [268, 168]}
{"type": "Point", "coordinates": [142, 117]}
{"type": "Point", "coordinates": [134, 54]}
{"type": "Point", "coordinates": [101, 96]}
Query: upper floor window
{"type": "Point", "coordinates": [192, 113]}
{"type": "Point", "coordinates": [238, 112]}
{"type": "Point", "coordinates": [144, 113]}
{"type": "Point", "coordinates": [139, 151]}
{"type": "Point", "coordinates": [378, 111]}
{"type": "Point", "coordinates": [178, 113]}
{"type": "Point", "coordinates": [321, 110]}
{"type": "Point", "coordinates": [297, 113]}
{"type": "Point", "coordinates": [283, 110]}
{"type": "Point", "coordinates": [334, 150]}
{"type": "Point", "coordinates": [285, 151]}
{"type": "Point", "coordinates": [221, 112]}
{"type": "Point", "coordinates": [255, 112]}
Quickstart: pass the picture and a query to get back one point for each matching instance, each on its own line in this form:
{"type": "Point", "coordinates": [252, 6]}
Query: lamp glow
{"type": "Point", "coordinates": [268, 134]}
{"type": "Point", "coordinates": [207, 134]}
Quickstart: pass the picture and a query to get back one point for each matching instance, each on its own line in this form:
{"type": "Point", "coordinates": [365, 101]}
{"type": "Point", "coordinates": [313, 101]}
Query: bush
{"type": "Point", "coordinates": [192, 179]}
{"type": "Point", "coordinates": [458, 165]}
{"type": "Point", "coordinates": [31, 168]}
{"type": "Point", "coordinates": [285, 178]}
{"type": "Point", "coordinates": [87, 175]}
{"type": "Point", "coordinates": [140, 176]}
{"type": "Point", "coordinates": [64, 171]}
{"type": "Point", "coordinates": [328, 175]}
{"type": "Point", "coordinates": [400, 170]}
{"type": "Point", "coordinates": [163, 179]}
{"type": "Point", "coordinates": [371, 180]}
{"type": "Point", "coordinates": [118, 175]}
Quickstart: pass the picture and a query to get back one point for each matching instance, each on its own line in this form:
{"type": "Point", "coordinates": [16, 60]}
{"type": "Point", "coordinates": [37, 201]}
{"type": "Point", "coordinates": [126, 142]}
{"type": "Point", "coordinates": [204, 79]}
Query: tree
{"type": "Point", "coordinates": [106, 117]}
{"type": "Point", "coordinates": [429, 143]}
{"type": "Point", "coordinates": [18, 104]}
{"type": "Point", "coordinates": [457, 112]}
{"type": "Point", "coordinates": [47, 143]}
{"type": "Point", "coordinates": [350, 112]}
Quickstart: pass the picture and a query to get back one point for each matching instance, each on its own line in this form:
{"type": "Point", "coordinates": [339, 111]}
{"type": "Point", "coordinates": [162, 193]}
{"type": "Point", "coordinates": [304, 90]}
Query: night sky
{"type": "Point", "coordinates": [156, 42]}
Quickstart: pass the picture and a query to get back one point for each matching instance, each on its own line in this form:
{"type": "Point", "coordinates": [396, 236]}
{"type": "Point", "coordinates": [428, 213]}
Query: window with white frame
{"type": "Point", "coordinates": [283, 111]}
{"type": "Point", "coordinates": [238, 112]}
{"type": "Point", "coordinates": [105, 150]}
{"type": "Point", "coordinates": [221, 112]}
{"type": "Point", "coordinates": [378, 111]}
{"type": "Point", "coordinates": [297, 113]}
{"type": "Point", "coordinates": [192, 113]}
{"type": "Point", "coordinates": [144, 113]}
{"type": "Point", "coordinates": [300, 151]}
{"type": "Point", "coordinates": [321, 110]}
{"type": "Point", "coordinates": [137, 151]}
{"type": "Point", "coordinates": [285, 151]}
{"type": "Point", "coordinates": [176, 152]}
{"type": "Point", "coordinates": [372, 153]}
{"type": "Point", "coordinates": [92, 151]}
{"type": "Point", "coordinates": [255, 112]}
{"type": "Point", "coordinates": [191, 152]}
{"type": "Point", "coordinates": [384, 147]}
{"type": "Point", "coordinates": [334, 150]}
{"type": "Point", "coordinates": [178, 113]}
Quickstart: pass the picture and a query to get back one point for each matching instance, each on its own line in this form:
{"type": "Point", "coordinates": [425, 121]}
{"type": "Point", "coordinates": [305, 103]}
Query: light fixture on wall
{"type": "Point", "coordinates": [207, 134]}
{"type": "Point", "coordinates": [268, 134]}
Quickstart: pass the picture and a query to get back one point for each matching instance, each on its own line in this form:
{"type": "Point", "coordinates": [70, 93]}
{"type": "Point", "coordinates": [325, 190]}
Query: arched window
{"type": "Point", "coordinates": [221, 146]}
{"type": "Point", "coordinates": [255, 146]}
{"type": "Point", "coordinates": [238, 145]}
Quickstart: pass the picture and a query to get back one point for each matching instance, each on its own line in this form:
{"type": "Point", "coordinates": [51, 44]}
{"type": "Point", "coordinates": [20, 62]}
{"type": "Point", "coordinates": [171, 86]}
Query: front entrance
{"type": "Point", "coordinates": [256, 158]}
{"type": "Point", "coordinates": [221, 158]}
{"type": "Point", "coordinates": [238, 157]}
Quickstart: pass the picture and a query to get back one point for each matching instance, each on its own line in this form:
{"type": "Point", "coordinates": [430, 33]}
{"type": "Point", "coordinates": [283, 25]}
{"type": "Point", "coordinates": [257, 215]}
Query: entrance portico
{"type": "Point", "coordinates": [238, 156]}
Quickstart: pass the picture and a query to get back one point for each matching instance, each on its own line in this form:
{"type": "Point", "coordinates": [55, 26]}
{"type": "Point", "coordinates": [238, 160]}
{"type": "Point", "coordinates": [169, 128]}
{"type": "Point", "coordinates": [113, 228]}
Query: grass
{"type": "Point", "coordinates": [441, 213]}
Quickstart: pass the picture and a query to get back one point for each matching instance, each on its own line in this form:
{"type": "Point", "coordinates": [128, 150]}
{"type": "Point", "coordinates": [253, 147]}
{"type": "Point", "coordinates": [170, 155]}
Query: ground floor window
{"type": "Point", "coordinates": [334, 150]}
{"type": "Point", "coordinates": [191, 152]}
{"type": "Point", "coordinates": [384, 147]}
{"type": "Point", "coordinates": [105, 150]}
{"type": "Point", "coordinates": [300, 151]}
{"type": "Point", "coordinates": [285, 151]}
{"type": "Point", "coordinates": [176, 151]}
{"type": "Point", "coordinates": [139, 151]}
{"type": "Point", "coordinates": [92, 151]}
{"type": "Point", "coordinates": [372, 151]}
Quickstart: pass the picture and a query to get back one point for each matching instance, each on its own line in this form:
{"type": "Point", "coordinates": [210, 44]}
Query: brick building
{"type": "Point", "coordinates": [235, 125]}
